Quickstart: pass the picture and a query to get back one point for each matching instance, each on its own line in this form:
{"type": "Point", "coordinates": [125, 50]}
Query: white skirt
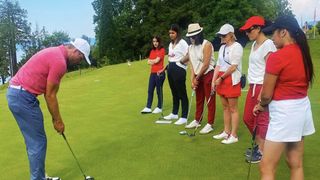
{"type": "Point", "coordinates": [290, 120]}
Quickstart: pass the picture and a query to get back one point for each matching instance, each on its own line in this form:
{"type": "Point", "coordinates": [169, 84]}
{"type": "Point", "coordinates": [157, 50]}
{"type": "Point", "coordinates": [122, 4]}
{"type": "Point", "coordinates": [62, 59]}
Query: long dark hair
{"type": "Point", "coordinates": [176, 28]}
{"type": "Point", "coordinates": [198, 38]}
{"type": "Point", "coordinates": [301, 40]}
{"type": "Point", "coordinates": [159, 41]}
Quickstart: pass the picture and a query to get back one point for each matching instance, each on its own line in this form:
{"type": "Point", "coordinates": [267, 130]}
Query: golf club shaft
{"type": "Point", "coordinates": [192, 94]}
{"type": "Point", "coordinates": [195, 129]}
{"type": "Point", "coordinates": [251, 153]}
{"type": "Point", "coordinates": [64, 137]}
{"type": "Point", "coordinates": [161, 117]}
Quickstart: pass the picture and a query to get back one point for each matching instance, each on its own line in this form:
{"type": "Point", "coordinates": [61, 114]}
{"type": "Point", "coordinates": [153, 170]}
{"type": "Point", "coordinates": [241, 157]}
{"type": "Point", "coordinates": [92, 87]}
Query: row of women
{"type": "Point", "coordinates": [277, 110]}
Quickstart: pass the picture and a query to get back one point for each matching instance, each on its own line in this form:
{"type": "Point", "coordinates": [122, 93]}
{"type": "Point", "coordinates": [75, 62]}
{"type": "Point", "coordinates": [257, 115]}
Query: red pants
{"type": "Point", "coordinates": [261, 121]}
{"type": "Point", "coordinates": [203, 92]}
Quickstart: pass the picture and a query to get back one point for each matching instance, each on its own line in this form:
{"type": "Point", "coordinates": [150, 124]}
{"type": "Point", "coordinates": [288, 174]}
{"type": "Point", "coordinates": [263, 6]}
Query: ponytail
{"type": "Point", "coordinates": [301, 40]}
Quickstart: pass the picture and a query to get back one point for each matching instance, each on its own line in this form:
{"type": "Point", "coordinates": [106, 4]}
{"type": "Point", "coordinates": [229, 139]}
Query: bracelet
{"type": "Point", "coordinates": [263, 105]}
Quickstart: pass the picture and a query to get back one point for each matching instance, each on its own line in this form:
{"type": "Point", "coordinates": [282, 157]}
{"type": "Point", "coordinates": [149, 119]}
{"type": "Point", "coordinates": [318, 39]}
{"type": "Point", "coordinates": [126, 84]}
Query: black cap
{"type": "Point", "coordinates": [286, 22]}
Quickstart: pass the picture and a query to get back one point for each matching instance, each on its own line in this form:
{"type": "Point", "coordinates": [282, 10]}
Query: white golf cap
{"type": "Point", "coordinates": [225, 29]}
{"type": "Point", "coordinates": [83, 46]}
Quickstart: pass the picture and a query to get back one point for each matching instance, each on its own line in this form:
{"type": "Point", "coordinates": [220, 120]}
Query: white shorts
{"type": "Point", "coordinates": [290, 120]}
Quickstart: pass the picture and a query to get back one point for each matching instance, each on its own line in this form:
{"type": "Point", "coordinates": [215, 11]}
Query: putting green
{"type": "Point", "coordinates": [112, 140]}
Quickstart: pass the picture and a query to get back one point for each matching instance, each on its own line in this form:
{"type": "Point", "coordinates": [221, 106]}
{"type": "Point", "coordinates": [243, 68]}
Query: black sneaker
{"type": "Point", "coordinates": [255, 158]}
{"type": "Point", "coordinates": [248, 151]}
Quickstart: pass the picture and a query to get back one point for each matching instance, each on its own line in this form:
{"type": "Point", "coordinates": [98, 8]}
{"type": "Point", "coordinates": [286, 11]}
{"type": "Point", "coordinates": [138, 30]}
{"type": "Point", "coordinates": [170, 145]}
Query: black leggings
{"type": "Point", "coordinates": [177, 82]}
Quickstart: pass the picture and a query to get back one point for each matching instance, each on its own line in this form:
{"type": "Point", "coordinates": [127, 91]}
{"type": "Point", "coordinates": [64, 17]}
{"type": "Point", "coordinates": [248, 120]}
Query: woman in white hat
{"type": "Point", "coordinates": [226, 82]}
{"type": "Point", "coordinates": [202, 66]}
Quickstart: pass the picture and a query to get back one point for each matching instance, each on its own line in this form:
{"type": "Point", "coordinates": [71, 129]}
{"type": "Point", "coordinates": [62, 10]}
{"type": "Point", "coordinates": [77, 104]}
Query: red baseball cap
{"type": "Point", "coordinates": [253, 21]}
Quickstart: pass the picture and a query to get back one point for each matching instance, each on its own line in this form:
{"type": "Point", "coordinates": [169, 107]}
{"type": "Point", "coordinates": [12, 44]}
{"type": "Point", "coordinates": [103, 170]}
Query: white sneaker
{"type": "Point", "coordinates": [193, 124]}
{"type": "Point", "coordinates": [171, 116]}
{"type": "Point", "coordinates": [146, 110]}
{"type": "Point", "coordinates": [181, 121]}
{"type": "Point", "coordinates": [156, 110]}
{"type": "Point", "coordinates": [222, 135]}
{"type": "Point", "coordinates": [230, 140]}
{"type": "Point", "coordinates": [206, 129]}
{"type": "Point", "coordinates": [52, 178]}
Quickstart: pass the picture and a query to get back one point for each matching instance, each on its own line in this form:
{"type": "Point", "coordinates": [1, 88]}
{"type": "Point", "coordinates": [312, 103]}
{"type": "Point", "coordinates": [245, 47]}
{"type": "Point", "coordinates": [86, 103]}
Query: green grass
{"type": "Point", "coordinates": [112, 140]}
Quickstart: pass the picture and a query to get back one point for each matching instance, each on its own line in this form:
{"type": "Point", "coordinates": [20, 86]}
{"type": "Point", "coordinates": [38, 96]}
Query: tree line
{"type": "Point", "coordinates": [124, 28]}
{"type": "Point", "coordinates": [16, 34]}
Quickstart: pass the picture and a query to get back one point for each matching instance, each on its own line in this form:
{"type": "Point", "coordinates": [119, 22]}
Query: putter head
{"type": "Point", "coordinates": [52, 178]}
{"type": "Point", "coordinates": [89, 178]}
{"type": "Point", "coordinates": [183, 133]}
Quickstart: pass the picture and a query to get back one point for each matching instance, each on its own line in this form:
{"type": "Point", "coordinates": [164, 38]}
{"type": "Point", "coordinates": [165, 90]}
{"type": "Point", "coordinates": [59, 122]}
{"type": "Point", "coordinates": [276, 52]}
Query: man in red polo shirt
{"type": "Point", "coordinates": [41, 75]}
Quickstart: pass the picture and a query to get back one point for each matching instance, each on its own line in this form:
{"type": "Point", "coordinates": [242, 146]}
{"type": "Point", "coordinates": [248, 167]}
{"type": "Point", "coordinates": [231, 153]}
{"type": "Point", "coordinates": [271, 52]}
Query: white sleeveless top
{"type": "Point", "coordinates": [196, 57]}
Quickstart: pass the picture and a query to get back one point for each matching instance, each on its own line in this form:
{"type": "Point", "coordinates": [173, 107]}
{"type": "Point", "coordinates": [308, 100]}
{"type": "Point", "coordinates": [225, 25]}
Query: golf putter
{"type": "Point", "coordinates": [185, 132]}
{"type": "Point", "coordinates": [251, 153]}
{"type": "Point", "coordinates": [85, 177]}
{"type": "Point", "coordinates": [196, 128]}
{"type": "Point", "coordinates": [161, 119]}
{"type": "Point", "coordinates": [161, 116]}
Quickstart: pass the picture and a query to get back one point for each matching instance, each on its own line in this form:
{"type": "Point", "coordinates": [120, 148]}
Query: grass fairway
{"type": "Point", "coordinates": [112, 140]}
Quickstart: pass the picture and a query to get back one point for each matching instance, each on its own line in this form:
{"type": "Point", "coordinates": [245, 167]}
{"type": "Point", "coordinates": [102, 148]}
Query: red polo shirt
{"type": "Point", "coordinates": [49, 64]}
{"type": "Point", "coordinates": [154, 53]}
{"type": "Point", "coordinates": [287, 64]}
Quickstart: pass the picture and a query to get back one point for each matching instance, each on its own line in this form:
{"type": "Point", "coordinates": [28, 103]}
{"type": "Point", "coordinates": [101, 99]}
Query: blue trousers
{"type": "Point", "coordinates": [155, 81]}
{"type": "Point", "coordinates": [25, 109]}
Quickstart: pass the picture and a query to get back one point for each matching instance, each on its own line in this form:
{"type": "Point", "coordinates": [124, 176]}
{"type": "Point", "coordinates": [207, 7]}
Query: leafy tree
{"type": "Point", "coordinates": [318, 26]}
{"type": "Point", "coordinates": [55, 39]}
{"type": "Point", "coordinates": [40, 39]}
{"type": "Point", "coordinates": [125, 27]}
{"type": "Point", "coordinates": [33, 44]}
{"type": "Point", "coordinates": [16, 30]}
{"type": "Point", "coordinates": [4, 62]}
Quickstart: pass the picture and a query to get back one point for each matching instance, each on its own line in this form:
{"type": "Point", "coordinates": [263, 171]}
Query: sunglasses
{"type": "Point", "coordinates": [222, 35]}
{"type": "Point", "coordinates": [250, 29]}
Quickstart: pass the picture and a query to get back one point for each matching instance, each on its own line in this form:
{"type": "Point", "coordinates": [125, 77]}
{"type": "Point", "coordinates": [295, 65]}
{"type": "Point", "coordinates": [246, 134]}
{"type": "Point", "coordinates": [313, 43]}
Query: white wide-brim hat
{"type": "Point", "coordinates": [83, 46]}
{"type": "Point", "coordinates": [194, 29]}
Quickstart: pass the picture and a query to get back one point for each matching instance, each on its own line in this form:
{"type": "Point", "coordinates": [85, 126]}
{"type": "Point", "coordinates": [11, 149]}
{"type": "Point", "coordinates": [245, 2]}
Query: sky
{"type": "Point", "coordinates": [74, 17]}
{"type": "Point", "coordinates": [304, 10]}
